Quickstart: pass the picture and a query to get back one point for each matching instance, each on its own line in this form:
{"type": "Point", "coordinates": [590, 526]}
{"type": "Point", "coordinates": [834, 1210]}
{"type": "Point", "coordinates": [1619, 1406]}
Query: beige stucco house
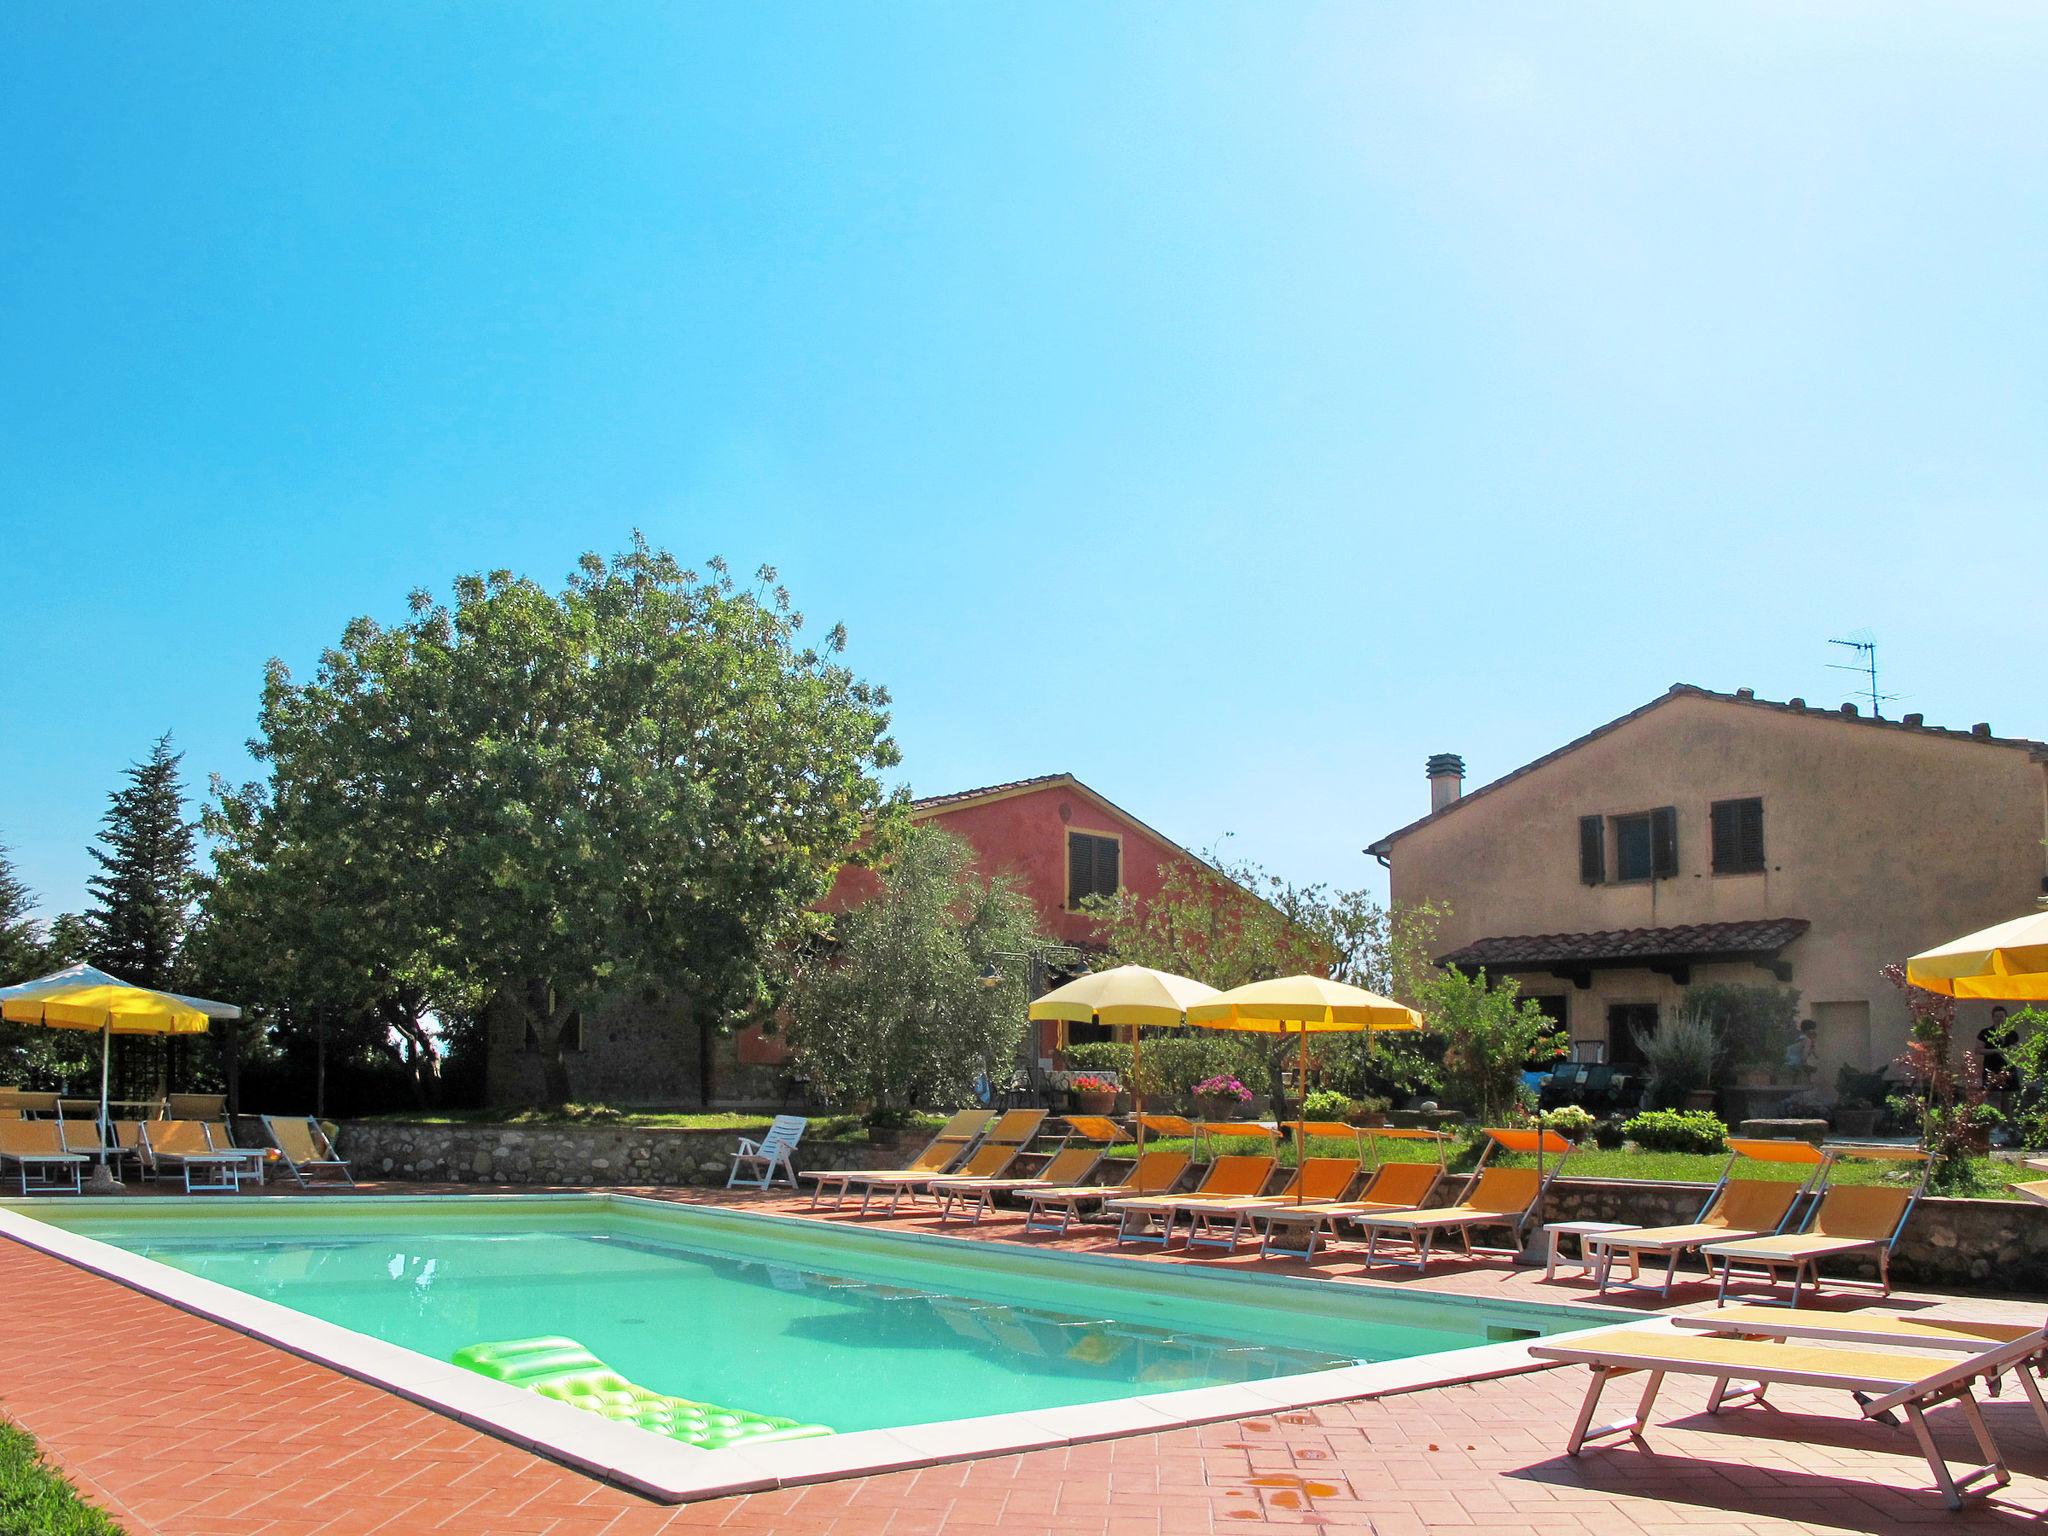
{"type": "Point", "coordinates": [1715, 836]}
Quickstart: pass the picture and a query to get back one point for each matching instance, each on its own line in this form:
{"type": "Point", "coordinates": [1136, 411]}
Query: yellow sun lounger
{"type": "Point", "coordinates": [1847, 1221]}
{"type": "Point", "coordinates": [37, 1147]}
{"type": "Point", "coordinates": [1735, 1209]}
{"type": "Point", "coordinates": [989, 1160]}
{"type": "Point", "coordinates": [1229, 1178]}
{"type": "Point", "coordinates": [1152, 1174]}
{"type": "Point", "coordinates": [946, 1148]}
{"type": "Point", "coordinates": [1880, 1380]}
{"type": "Point", "coordinates": [1493, 1197]}
{"type": "Point", "coordinates": [306, 1149]}
{"type": "Point", "coordinates": [1392, 1187]}
{"type": "Point", "coordinates": [1069, 1165]}
{"type": "Point", "coordinates": [199, 1154]}
{"type": "Point", "coordinates": [1224, 1223]}
{"type": "Point", "coordinates": [1965, 1334]}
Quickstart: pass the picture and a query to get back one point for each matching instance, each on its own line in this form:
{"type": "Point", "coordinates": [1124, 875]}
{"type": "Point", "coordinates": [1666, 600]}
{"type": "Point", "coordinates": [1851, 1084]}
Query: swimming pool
{"type": "Point", "coordinates": [877, 1334]}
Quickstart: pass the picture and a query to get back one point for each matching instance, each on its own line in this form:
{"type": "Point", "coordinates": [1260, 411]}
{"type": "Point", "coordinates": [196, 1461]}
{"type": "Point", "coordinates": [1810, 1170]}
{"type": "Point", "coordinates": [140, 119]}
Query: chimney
{"type": "Point", "coordinates": [1915, 721]}
{"type": "Point", "coordinates": [1446, 772]}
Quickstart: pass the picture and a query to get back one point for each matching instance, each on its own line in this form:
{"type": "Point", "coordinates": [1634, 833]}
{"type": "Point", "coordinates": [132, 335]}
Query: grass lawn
{"type": "Point", "coordinates": [35, 1501]}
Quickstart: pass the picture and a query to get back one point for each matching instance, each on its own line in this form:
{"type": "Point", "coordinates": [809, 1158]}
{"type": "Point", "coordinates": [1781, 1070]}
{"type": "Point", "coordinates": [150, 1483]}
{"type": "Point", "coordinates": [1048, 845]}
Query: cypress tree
{"type": "Point", "coordinates": [21, 939]}
{"type": "Point", "coordinates": [142, 896]}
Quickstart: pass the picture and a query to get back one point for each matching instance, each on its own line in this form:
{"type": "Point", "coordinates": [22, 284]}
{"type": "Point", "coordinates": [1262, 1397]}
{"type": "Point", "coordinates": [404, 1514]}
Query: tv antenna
{"type": "Point", "coordinates": [1864, 644]}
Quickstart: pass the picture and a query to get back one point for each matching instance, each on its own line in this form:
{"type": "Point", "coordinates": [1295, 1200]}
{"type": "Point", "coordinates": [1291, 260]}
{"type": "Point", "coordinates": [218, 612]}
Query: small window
{"type": "Point", "coordinates": [1738, 837]}
{"type": "Point", "coordinates": [1093, 867]}
{"type": "Point", "coordinates": [1592, 849]}
{"type": "Point", "coordinates": [1646, 845]}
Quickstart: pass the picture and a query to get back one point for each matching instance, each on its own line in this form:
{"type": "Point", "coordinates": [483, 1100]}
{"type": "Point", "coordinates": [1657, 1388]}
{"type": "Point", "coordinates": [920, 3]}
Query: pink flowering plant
{"type": "Point", "coordinates": [1092, 1084]}
{"type": "Point", "coordinates": [1223, 1088]}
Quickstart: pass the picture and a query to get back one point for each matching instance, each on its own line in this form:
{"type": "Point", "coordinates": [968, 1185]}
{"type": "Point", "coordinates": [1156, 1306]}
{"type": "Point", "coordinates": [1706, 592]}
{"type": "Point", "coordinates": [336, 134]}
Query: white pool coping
{"type": "Point", "coordinates": [671, 1473]}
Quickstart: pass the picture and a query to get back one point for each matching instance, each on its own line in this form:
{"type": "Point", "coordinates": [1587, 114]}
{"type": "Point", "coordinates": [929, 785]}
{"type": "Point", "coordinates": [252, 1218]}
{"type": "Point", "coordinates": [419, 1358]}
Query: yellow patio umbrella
{"type": "Point", "coordinates": [2007, 962]}
{"type": "Point", "coordinates": [1131, 995]}
{"type": "Point", "coordinates": [1302, 1006]}
{"type": "Point", "coordinates": [85, 997]}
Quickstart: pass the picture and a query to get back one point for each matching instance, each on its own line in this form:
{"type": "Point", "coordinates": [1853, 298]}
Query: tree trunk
{"type": "Point", "coordinates": [706, 1061]}
{"type": "Point", "coordinates": [319, 1063]}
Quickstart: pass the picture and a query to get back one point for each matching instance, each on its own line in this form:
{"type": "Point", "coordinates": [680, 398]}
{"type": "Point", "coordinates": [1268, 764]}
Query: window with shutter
{"type": "Point", "coordinates": [1664, 842]}
{"type": "Point", "coordinates": [1632, 845]}
{"type": "Point", "coordinates": [1592, 849]}
{"type": "Point", "coordinates": [1738, 836]}
{"type": "Point", "coordinates": [1092, 867]}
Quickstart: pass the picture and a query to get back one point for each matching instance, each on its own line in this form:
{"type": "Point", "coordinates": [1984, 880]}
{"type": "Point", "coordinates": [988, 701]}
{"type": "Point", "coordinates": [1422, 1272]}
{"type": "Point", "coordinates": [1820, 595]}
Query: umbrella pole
{"type": "Point", "coordinates": [1301, 1098]}
{"type": "Point", "coordinates": [106, 1059]}
{"type": "Point", "coordinates": [1138, 1087]}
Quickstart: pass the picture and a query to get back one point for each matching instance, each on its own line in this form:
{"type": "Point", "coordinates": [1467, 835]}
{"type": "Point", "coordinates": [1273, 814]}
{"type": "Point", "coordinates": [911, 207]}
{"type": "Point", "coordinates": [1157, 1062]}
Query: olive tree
{"type": "Point", "coordinates": [895, 1006]}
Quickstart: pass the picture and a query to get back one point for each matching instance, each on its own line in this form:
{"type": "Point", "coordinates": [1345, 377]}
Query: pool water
{"type": "Point", "coordinates": [856, 1330]}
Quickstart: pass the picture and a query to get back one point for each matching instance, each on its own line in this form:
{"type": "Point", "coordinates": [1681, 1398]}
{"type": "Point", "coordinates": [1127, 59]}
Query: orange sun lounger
{"type": "Point", "coordinates": [1493, 1197]}
{"type": "Point", "coordinates": [1393, 1186]}
{"type": "Point", "coordinates": [1232, 1177]}
{"type": "Point", "coordinates": [1734, 1210]}
{"type": "Point", "coordinates": [947, 1146]}
{"type": "Point", "coordinates": [1847, 1221]}
{"type": "Point", "coordinates": [1152, 1174]}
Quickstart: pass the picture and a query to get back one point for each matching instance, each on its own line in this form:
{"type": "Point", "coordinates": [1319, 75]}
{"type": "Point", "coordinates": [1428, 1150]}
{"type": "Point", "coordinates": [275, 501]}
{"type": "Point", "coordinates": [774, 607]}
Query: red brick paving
{"type": "Point", "coordinates": [180, 1427]}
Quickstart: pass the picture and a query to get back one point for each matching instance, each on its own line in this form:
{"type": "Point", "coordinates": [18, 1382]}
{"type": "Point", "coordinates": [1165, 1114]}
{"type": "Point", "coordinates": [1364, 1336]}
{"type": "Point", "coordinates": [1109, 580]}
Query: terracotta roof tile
{"type": "Point", "coordinates": [1690, 941]}
{"type": "Point", "coordinates": [926, 802]}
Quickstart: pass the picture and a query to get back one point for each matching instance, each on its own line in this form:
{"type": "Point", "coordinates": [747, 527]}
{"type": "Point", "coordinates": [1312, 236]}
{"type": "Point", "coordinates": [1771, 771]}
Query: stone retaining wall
{"type": "Point", "coordinates": [579, 1154]}
{"type": "Point", "coordinates": [1965, 1245]}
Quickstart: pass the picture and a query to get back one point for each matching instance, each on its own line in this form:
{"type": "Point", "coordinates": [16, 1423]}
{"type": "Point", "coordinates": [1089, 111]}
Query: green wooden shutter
{"type": "Point", "coordinates": [1592, 850]}
{"type": "Point", "coordinates": [1727, 836]}
{"type": "Point", "coordinates": [1752, 842]}
{"type": "Point", "coordinates": [1664, 842]}
{"type": "Point", "coordinates": [1080, 867]}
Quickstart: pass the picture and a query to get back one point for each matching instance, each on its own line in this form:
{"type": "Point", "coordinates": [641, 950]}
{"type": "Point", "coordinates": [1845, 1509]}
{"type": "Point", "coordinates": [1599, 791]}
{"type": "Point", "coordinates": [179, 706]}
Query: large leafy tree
{"type": "Point", "coordinates": [641, 781]}
{"type": "Point", "coordinates": [142, 896]}
{"type": "Point", "coordinates": [894, 1006]}
{"type": "Point", "coordinates": [1228, 923]}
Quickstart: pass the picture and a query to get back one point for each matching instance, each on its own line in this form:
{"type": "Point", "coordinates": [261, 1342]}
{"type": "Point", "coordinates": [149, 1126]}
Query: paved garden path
{"type": "Point", "coordinates": [181, 1427]}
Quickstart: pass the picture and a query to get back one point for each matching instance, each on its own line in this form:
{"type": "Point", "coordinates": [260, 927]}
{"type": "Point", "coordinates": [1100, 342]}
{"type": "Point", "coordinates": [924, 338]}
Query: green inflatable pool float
{"type": "Point", "coordinates": [566, 1371]}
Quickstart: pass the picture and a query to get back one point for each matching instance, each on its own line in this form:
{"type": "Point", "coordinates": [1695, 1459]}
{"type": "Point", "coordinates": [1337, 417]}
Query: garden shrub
{"type": "Point", "coordinates": [1677, 1130]}
{"type": "Point", "coordinates": [1571, 1121]}
{"type": "Point", "coordinates": [1326, 1104]}
{"type": "Point", "coordinates": [1608, 1134]}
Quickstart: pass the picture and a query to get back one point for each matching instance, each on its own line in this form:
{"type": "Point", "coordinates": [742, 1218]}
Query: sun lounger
{"type": "Point", "coordinates": [1069, 1165]}
{"type": "Point", "coordinates": [1005, 1141]}
{"type": "Point", "coordinates": [1225, 1223]}
{"type": "Point", "coordinates": [1734, 1210]}
{"type": "Point", "coordinates": [36, 1148]}
{"type": "Point", "coordinates": [306, 1149]}
{"type": "Point", "coordinates": [1152, 1174]}
{"type": "Point", "coordinates": [1151, 1218]}
{"type": "Point", "coordinates": [1880, 1380]}
{"type": "Point", "coordinates": [1966, 1335]}
{"type": "Point", "coordinates": [769, 1156]}
{"type": "Point", "coordinates": [1847, 1221]}
{"type": "Point", "coordinates": [209, 1107]}
{"type": "Point", "coordinates": [1493, 1197]}
{"type": "Point", "coordinates": [187, 1148]}
{"type": "Point", "coordinates": [24, 1102]}
{"type": "Point", "coordinates": [1393, 1186]}
{"type": "Point", "coordinates": [946, 1148]}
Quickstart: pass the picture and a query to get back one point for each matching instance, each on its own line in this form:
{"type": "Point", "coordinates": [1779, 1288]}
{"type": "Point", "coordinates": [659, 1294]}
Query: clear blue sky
{"type": "Point", "coordinates": [1230, 404]}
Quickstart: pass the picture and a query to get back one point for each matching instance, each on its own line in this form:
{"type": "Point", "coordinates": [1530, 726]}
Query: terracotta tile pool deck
{"type": "Point", "coordinates": [179, 1426]}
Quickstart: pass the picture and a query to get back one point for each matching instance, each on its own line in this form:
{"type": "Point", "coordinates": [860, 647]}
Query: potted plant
{"type": "Point", "coordinates": [1095, 1095]}
{"type": "Point", "coordinates": [1369, 1111]}
{"type": "Point", "coordinates": [1220, 1097]}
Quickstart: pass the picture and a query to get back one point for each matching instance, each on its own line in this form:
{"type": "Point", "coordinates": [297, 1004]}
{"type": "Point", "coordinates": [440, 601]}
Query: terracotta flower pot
{"type": "Point", "coordinates": [1212, 1107]}
{"type": "Point", "coordinates": [1096, 1103]}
